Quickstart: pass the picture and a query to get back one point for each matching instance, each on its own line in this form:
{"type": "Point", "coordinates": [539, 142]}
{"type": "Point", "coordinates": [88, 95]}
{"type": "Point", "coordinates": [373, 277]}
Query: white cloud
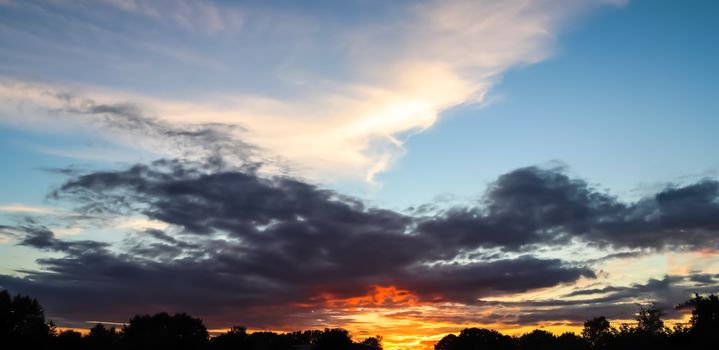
{"type": "Point", "coordinates": [29, 209]}
{"type": "Point", "coordinates": [395, 77]}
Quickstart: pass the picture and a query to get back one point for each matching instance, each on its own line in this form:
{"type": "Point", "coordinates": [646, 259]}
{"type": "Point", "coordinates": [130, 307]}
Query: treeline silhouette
{"type": "Point", "coordinates": [23, 326]}
{"type": "Point", "coordinates": [649, 332]}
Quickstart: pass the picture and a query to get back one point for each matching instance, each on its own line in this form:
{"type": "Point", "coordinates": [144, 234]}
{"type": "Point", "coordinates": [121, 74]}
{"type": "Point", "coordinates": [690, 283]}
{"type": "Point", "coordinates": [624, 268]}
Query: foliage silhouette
{"type": "Point", "coordinates": [476, 339]}
{"type": "Point", "coordinates": [68, 340]}
{"type": "Point", "coordinates": [334, 339]}
{"type": "Point", "coordinates": [649, 320]}
{"type": "Point", "coordinates": [22, 322]}
{"type": "Point", "coordinates": [101, 337]}
{"type": "Point", "coordinates": [164, 332]}
{"type": "Point", "coordinates": [704, 331]}
{"type": "Point", "coordinates": [597, 332]}
{"type": "Point", "coordinates": [23, 326]}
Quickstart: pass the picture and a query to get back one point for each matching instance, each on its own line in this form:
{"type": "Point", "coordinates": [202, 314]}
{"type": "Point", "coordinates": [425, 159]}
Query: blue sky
{"type": "Point", "coordinates": [628, 100]}
{"type": "Point", "coordinates": [395, 104]}
{"type": "Point", "coordinates": [629, 88]}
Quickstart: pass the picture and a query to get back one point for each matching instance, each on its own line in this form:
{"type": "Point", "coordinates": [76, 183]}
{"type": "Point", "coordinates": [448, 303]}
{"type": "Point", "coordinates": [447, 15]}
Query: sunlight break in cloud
{"type": "Point", "coordinates": [387, 78]}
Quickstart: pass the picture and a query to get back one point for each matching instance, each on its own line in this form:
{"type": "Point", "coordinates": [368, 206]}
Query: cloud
{"type": "Point", "coordinates": [188, 14]}
{"type": "Point", "coordinates": [129, 124]}
{"type": "Point", "coordinates": [231, 241]}
{"type": "Point", "coordinates": [620, 302]}
{"type": "Point", "coordinates": [41, 238]}
{"type": "Point", "coordinates": [21, 208]}
{"type": "Point", "coordinates": [532, 205]}
{"type": "Point", "coordinates": [328, 94]}
{"type": "Point", "coordinates": [525, 207]}
{"type": "Point", "coordinates": [237, 243]}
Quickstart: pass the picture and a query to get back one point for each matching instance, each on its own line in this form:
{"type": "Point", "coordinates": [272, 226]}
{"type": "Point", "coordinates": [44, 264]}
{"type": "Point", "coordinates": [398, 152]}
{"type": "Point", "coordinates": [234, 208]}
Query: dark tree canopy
{"type": "Point", "coordinates": [22, 321]}
{"type": "Point", "coordinates": [476, 339]}
{"type": "Point", "coordinates": [334, 339]}
{"type": "Point", "coordinates": [597, 331]}
{"type": "Point", "coordinates": [162, 331]}
{"type": "Point", "coordinates": [538, 340]}
{"type": "Point", "coordinates": [23, 326]}
{"type": "Point", "coordinates": [649, 320]}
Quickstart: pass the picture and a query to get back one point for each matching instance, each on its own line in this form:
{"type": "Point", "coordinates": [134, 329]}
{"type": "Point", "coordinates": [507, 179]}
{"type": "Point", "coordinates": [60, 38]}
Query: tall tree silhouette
{"type": "Point", "coordinates": [705, 313]}
{"type": "Point", "coordinates": [22, 322]}
{"type": "Point", "coordinates": [649, 320]}
{"type": "Point", "coordinates": [704, 332]}
{"type": "Point", "coordinates": [597, 332]}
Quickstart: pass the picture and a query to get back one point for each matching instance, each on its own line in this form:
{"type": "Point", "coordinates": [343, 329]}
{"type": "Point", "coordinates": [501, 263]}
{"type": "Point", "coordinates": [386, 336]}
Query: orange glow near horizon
{"type": "Point", "coordinates": [419, 333]}
{"type": "Point", "coordinates": [407, 322]}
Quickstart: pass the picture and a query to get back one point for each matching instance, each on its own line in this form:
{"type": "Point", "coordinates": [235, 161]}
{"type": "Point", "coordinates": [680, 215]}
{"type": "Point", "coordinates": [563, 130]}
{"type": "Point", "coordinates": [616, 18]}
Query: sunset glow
{"type": "Point", "coordinates": [401, 169]}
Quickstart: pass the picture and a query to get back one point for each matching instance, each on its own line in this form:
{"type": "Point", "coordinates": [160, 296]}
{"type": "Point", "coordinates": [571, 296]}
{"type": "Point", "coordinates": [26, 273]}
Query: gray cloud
{"type": "Point", "coordinates": [245, 241]}
{"type": "Point", "coordinates": [242, 244]}
{"type": "Point", "coordinates": [532, 206]}
{"type": "Point", "coordinates": [617, 302]}
{"type": "Point", "coordinates": [214, 143]}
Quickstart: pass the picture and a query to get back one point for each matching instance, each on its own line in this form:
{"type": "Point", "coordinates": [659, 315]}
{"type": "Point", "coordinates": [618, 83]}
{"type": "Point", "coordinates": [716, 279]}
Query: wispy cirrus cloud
{"type": "Point", "coordinates": [334, 101]}
{"type": "Point", "coordinates": [189, 14]}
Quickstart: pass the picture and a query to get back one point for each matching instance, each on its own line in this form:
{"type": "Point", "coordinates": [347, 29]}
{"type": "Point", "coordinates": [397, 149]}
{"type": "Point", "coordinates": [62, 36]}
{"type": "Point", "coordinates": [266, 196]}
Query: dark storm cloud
{"type": "Point", "coordinates": [226, 278]}
{"type": "Point", "coordinates": [245, 241]}
{"type": "Point", "coordinates": [531, 206]}
{"type": "Point", "coordinates": [42, 238]}
{"type": "Point", "coordinates": [242, 244]}
{"type": "Point", "coordinates": [463, 282]}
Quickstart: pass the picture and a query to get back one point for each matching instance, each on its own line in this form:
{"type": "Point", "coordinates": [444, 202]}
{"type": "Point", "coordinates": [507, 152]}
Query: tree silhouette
{"type": "Point", "coordinates": [373, 342]}
{"type": "Point", "coordinates": [235, 338]}
{"type": "Point", "coordinates": [704, 332]}
{"type": "Point", "coordinates": [705, 313]}
{"type": "Point", "coordinates": [571, 341]}
{"type": "Point", "coordinates": [448, 342]}
{"type": "Point", "coordinates": [537, 340]}
{"type": "Point", "coordinates": [68, 340]}
{"type": "Point", "coordinates": [649, 320]}
{"type": "Point", "coordinates": [22, 322]}
{"type": "Point", "coordinates": [597, 332]}
{"type": "Point", "coordinates": [334, 339]}
{"type": "Point", "coordinates": [23, 326]}
{"type": "Point", "coordinates": [476, 339]}
{"type": "Point", "coordinates": [101, 337]}
{"type": "Point", "coordinates": [162, 331]}
{"type": "Point", "coordinates": [267, 341]}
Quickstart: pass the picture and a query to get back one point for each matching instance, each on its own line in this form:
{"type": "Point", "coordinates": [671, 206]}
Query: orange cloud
{"type": "Point", "coordinates": [376, 296]}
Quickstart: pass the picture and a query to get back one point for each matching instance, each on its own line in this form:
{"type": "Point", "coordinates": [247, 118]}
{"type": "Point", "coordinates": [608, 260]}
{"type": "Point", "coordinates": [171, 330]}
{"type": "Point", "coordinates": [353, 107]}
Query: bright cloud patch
{"type": "Point", "coordinates": [332, 97]}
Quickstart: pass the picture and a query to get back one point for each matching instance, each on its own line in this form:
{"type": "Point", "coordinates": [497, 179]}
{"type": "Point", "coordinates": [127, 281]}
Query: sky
{"type": "Point", "coordinates": [403, 168]}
